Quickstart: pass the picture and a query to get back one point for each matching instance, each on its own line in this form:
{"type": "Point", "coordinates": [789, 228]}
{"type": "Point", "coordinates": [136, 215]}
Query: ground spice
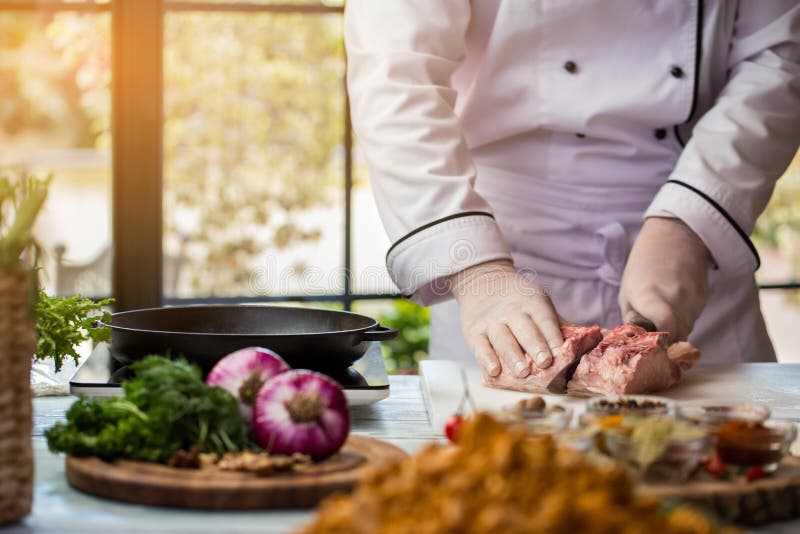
{"type": "Point", "coordinates": [748, 443]}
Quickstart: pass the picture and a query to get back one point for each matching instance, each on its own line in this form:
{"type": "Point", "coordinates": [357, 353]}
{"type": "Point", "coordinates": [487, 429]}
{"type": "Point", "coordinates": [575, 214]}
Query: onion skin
{"type": "Point", "coordinates": [301, 411]}
{"type": "Point", "coordinates": [243, 372]}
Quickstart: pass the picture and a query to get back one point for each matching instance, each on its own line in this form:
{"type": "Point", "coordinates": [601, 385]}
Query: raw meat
{"type": "Point", "coordinates": [631, 360]}
{"type": "Point", "coordinates": [684, 355]}
{"type": "Point", "coordinates": [577, 341]}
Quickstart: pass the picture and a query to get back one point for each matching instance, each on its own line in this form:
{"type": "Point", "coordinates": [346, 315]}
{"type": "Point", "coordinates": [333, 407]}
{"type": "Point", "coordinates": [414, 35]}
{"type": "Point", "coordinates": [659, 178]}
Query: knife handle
{"type": "Point", "coordinates": [642, 322]}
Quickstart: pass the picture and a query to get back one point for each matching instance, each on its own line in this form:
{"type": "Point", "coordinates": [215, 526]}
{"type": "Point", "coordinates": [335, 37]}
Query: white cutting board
{"type": "Point", "coordinates": [776, 385]}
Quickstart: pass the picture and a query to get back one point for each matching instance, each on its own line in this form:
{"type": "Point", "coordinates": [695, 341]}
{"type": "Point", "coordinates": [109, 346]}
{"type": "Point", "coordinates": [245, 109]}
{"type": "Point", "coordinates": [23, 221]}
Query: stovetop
{"type": "Point", "coordinates": [364, 382]}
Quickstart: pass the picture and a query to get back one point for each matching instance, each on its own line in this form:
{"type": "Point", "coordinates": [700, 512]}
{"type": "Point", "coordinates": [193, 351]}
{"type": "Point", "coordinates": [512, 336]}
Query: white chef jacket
{"type": "Point", "coordinates": [546, 131]}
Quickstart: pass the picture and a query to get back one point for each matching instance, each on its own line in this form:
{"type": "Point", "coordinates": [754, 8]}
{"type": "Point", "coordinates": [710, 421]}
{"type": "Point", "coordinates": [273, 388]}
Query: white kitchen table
{"type": "Point", "coordinates": [773, 384]}
{"type": "Point", "coordinates": [401, 419]}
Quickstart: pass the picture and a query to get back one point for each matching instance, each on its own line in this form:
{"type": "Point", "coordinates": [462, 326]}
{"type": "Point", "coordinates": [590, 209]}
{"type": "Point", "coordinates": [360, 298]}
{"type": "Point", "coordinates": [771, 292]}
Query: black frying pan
{"type": "Point", "coordinates": [304, 337]}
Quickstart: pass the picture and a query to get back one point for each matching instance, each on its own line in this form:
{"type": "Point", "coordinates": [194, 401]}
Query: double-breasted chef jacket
{"type": "Point", "coordinates": [545, 131]}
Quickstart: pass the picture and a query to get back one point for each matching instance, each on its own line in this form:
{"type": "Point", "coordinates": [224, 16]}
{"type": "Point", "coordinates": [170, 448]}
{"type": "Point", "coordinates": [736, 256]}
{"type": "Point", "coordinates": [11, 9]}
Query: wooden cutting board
{"type": "Point", "coordinates": [774, 498]}
{"type": "Point", "coordinates": [210, 489]}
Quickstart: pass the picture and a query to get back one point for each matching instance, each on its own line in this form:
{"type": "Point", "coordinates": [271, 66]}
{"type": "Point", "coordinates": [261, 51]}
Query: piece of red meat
{"type": "Point", "coordinates": [683, 355]}
{"type": "Point", "coordinates": [577, 341]}
{"type": "Point", "coordinates": [631, 360]}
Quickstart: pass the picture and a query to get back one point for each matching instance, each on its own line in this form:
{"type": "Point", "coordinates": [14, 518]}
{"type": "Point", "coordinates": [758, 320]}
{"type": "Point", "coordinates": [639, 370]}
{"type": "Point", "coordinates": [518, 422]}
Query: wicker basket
{"type": "Point", "coordinates": [17, 345]}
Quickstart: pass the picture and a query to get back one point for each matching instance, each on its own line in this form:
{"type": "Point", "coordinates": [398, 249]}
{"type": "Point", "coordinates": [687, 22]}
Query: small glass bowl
{"type": "Point", "coordinates": [764, 446]}
{"type": "Point", "coordinates": [713, 416]}
{"type": "Point", "coordinates": [641, 405]}
{"type": "Point", "coordinates": [679, 460]}
{"type": "Point", "coordinates": [553, 419]}
{"type": "Point", "coordinates": [577, 439]}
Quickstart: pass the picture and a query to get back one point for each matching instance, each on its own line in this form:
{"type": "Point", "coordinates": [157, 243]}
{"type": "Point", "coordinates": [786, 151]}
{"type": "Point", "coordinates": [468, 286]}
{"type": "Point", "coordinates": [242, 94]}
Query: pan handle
{"type": "Point", "coordinates": [377, 333]}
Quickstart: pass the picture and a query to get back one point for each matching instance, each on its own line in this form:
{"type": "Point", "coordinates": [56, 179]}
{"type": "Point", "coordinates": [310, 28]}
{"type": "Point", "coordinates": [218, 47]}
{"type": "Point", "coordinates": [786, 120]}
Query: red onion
{"type": "Point", "coordinates": [244, 372]}
{"type": "Point", "coordinates": [301, 411]}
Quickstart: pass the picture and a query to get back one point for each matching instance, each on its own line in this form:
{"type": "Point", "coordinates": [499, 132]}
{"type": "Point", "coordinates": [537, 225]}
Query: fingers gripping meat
{"type": "Point", "coordinates": [577, 341]}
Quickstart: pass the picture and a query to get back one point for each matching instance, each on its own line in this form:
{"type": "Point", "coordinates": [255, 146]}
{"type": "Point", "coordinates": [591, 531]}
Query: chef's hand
{"type": "Point", "coordinates": [666, 277]}
{"type": "Point", "coordinates": [507, 320]}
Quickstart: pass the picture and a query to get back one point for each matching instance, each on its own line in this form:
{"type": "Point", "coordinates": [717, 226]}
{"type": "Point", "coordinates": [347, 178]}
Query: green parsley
{"type": "Point", "coordinates": [167, 407]}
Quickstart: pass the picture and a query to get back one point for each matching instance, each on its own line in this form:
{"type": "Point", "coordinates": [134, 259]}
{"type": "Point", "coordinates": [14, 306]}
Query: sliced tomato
{"type": "Point", "coordinates": [715, 466]}
{"type": "Point", "coordinates": [754, 473]}
{"type": "Point", "coordinates": [452, 427]}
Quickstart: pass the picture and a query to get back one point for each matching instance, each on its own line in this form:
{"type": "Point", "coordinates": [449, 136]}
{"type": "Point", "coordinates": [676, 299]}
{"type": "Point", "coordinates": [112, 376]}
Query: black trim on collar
{"type": "Point", "coordinates": [725, 214]}
{"type": "Point", "coordinates": [434, 223]}
{"type": "Point", "coordinates": [678, 136]}
{"type": "Point", "coordinates": [698, 57]}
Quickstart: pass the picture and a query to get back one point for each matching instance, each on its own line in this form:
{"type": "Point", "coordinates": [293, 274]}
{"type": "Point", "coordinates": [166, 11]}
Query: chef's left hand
{"type": "Point", "coordinates": [666, 277]}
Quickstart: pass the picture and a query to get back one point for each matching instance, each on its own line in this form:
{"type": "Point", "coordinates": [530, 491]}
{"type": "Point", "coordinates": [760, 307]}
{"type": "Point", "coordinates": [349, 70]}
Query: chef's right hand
{"type": "Point", "coordinates": [507, 320]}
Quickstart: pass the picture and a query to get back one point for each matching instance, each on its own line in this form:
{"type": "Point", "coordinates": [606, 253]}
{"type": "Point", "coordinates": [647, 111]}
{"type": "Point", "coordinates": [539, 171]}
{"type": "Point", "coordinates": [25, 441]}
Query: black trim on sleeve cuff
{"type": "Point", "coordinates": [725, 214]}
{"type": "Point", "coordinates": [434, 223]}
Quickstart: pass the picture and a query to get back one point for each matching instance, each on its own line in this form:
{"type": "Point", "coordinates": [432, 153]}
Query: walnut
{"type": "Point", "coordinates": [207, 460]}
{"type": "Point", "coordinates": [531, 404]}
{"type": "Point", "coordinates": [261, 463]}
{"type": "Point", "coordinates": [185, 459]}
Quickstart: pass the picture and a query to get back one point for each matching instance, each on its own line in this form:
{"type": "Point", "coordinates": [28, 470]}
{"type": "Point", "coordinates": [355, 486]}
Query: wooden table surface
{"type": "Point", "coordinates": [401, 419]}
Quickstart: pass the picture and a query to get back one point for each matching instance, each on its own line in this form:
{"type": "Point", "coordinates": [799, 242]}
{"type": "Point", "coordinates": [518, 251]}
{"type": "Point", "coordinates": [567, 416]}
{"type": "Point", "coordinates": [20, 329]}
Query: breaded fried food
{"type": "Point", "coordinates": [497, 480]}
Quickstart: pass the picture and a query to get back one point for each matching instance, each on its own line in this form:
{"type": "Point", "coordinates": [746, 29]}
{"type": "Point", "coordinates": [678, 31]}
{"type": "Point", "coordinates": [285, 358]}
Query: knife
{"type": "Point", "coordinates": [642, 322]}
{"type": "Point", "coordinates": [558, 384]}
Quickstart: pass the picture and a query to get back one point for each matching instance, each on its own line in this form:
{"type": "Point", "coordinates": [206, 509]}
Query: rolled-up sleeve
{"type": "Point", "coordinates": [401, 56]}
{"type": "Point", "coordinates": [744, 142]}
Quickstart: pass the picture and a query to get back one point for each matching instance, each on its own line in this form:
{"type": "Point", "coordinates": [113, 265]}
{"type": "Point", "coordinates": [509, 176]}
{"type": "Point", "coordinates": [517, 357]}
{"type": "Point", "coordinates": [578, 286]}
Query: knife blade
{"type": "Point", "coordinates": [558, 384]}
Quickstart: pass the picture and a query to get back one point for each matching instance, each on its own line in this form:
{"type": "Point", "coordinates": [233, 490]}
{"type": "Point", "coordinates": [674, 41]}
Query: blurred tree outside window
{"type": "Point", "coordinates": [403, 353]}
{"type": "Point", "coordinates": [777, 236]}
{"type": "Point", "coordinates": [253, 152]}
{"type": "Point", "coordinates": [54, 118]}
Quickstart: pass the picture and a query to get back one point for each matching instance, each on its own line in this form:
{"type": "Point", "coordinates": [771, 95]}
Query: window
{"type": "Point", "coordinates": [254, 138]}
{"type": "Point", "coordinates": [254, 153]}
{"type": "Point", "coordinates": [54, 119]}
{"type": "Point", "coordinates": [228, 170]}
{"type": "Point", "coordinates": [777, 237]}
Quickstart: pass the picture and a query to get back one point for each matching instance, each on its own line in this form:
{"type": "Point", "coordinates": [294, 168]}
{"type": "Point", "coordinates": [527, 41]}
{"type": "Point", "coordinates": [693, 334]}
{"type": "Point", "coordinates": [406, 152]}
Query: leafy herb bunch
{"type": "Point", "coordinates": [166, 407]}
{"type": "Point", "coordinates": [63, 323]}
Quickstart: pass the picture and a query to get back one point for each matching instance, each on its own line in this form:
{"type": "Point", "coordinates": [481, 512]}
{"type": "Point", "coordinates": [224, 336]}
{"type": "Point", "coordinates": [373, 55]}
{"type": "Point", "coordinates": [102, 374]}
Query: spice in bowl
{"type": "Point", "coordinates": [638, 405]}
{"type": "Point", "coordinates": [656, 447]}
{"type": "Point", "coordinates": [714, 416]}
{"type": "Point", "coordinates": [746, 443]}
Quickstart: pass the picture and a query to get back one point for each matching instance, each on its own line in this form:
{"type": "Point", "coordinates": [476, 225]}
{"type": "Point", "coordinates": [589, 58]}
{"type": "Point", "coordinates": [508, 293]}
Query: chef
{"type": "Point", "coordinates": [538, 161]}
